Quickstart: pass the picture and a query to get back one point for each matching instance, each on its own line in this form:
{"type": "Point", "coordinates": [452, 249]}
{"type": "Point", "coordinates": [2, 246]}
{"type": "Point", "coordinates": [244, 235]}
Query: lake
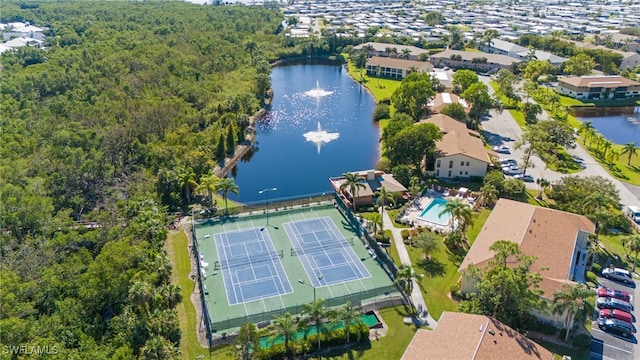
{"type": "Point", "coordinates": [318, 126]}
{"type": "Point", "coordinates": [620, 129]}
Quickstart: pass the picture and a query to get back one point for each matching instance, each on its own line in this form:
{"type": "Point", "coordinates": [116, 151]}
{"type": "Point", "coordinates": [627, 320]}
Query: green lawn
{"type": "Point", "coordinates": [178, 251]}
{"type": "Point", "coordinates": [478, 222]}
{"type": "Point", "coordinates": [569, 101]}
{"type": "Point", "coordinates": [519, 117]}
{"type": "Point", "coordinates": [391, 346]}
{"type": "Point", "coordinates": [380, 88]}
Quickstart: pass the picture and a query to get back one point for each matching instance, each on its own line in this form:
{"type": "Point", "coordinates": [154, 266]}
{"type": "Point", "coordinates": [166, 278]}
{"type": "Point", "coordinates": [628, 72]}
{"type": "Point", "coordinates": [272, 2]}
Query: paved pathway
{"type": "Point", "coordinates": [416, 294]}
{"type": "Point", "coordinates": [502, 128]}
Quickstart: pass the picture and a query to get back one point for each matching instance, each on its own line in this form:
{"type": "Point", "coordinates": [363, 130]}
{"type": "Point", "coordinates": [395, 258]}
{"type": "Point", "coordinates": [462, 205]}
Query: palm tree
{"type": "Point", "coordinates": [460, 213]}
{"type": "Point", "coordinates": [248, 341]}
{"type": "Point", "coordinates": [188, 183]}
{"type": "Point", "coordinates": [251, 46]}
{"type": "Point", "coordinates": [317, 311]}
{"type": "Point", "coordinates": [141, 296]}
{"type": "Point", "coordinates": [599, 139]}
{"type": "Point", "coordinates": [596, 207]}
{"type": "Point", "coordinates": [571, 301]}
{"type": "Point", "coordinates": [208, 186]}
{"type": "Point", "coordinates": [488, 195]}
{"type": "Point", "coordinates": [376, 220]}
{"type": "Point", "coordinates": [634, 245]}
{"type": "Point", "coordinates": [349, 315]}
{"type": "Point", "coordinates": [225, 186]}
{"type": "Point", "coordinates": [406, 53]}
{"type": "Point", "coordinates": [585, 129]}
{"type": "Point", "coordinates": [383, 197]}
{"type": "Point", "coordinates": [158, 347]}
{"type": "Point", "coordinates": [404, 279]}
{"type": "Point", "coordinates": [630, 149]}
{"type": "Point", "coordinates": [543, 184]}
{"type": "Point", "coordinates": [613, 155]}
{"type": "Point", "coordinates": [352, 182]}
{"type": "Point", "coordinates": [285, 326]}
{"type": "Point", "coordinates": [606, 145]}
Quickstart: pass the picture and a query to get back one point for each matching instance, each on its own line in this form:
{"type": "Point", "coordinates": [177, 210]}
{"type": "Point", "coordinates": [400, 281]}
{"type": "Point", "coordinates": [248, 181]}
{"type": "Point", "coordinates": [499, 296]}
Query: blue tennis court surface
{"type": "Point", "coordinates": [250, 266]}
{"type": "Point", "coordinates": [325, 254]}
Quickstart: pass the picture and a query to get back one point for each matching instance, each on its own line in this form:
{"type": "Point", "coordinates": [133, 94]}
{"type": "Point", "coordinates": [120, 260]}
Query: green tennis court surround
{"type": "Point", "coordinates": [258, 272]}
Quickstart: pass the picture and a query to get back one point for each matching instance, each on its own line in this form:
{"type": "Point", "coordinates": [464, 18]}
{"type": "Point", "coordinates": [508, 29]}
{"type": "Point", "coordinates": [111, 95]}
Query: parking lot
{"type": "Point", "coordinates": [607, 346]}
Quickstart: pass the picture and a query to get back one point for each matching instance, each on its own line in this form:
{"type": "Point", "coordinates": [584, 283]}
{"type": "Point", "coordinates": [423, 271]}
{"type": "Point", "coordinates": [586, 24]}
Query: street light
{"type": "Point", "coordinates": [266, 196]}
{"type": "Point", "coordinates": [320, 277]}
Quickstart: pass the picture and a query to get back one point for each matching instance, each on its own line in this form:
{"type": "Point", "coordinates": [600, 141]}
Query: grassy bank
{"type": "Point", "coordinates": [177, 249]}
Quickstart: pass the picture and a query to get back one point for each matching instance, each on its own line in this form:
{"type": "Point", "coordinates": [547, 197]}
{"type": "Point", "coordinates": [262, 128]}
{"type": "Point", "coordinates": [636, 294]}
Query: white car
{"type": "Point", "coordinates": [503, 149]}
{"type": "Point", "coordinates": [617, 274]}
{"type": "Point", "coordinates": [511, 170]}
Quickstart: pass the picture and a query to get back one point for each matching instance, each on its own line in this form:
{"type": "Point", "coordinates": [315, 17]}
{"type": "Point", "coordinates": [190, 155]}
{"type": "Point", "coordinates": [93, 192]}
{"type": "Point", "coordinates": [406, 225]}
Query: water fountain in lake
{"type": "Point", "coordinates": [320, 137]}
{"type": "Point", "coordinates": [317, 92]}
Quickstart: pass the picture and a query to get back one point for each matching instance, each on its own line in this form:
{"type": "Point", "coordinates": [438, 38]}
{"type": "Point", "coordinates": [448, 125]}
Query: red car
{"type": "Point", "coordinates": [616, 314]}
{"type": "Point", "coordinates": [616, 294]}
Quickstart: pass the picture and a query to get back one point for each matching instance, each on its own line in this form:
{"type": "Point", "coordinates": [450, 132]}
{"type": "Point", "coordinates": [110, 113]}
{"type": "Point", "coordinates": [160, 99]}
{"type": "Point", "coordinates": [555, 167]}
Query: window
{"type": "Point", "coordinates": [438, 163]}
{"type": "Point", "coordinates": [466, 173]}
{"type": "Point", "coordinates": [450, 164]}
{"type": "Point", "coordinates": [461, 163]}
{"type": "Point", "coordinates": [467, 163]}
{"type": "Point", "coordinates": [449, 173]}
{"type": "Point", "coordinates": [437, 173]}
{"type": "Point", "coordinates": [460, 172]}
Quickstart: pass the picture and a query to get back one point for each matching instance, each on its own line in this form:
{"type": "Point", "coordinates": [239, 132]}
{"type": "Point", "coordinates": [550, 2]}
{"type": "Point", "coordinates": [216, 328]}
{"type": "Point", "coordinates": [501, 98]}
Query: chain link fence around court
{"type": "Point", "coordinates": [370, 299]}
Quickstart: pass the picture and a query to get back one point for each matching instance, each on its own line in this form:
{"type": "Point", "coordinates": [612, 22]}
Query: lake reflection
{"type": "Point", "coordinates": [620, 129]}
{"type": "Point", "coordinates": [334, 111]}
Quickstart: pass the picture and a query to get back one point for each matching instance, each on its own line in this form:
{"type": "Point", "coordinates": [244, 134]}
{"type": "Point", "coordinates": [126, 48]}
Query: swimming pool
{"type": "Point", "coordinates": [432, 212]}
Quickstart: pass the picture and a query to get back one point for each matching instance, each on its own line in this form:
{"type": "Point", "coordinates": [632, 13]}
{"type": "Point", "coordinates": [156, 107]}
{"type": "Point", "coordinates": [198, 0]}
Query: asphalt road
{"type": "Point", "coordinates": [607, 346]}
{"type": "Point", "coordinates": [502, 129]}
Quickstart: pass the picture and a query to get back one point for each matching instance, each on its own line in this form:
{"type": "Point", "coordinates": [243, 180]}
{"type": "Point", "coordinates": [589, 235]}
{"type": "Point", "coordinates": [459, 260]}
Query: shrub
{"type": "Point", "coordinates": [582, 341]}
{"type": "Point", "coordinates": [383, 238]}
{"type": "Point", "coordinates": [596, 268]}
{"type": "Point", "coordinates": [591, 285]}
{"type": "Point", "coordinates": [381, 112]}
{"type": "Point", "coordinates": [386, 101]}
{"type": "Point", "coordinates": [455, 290]}
{"type": "Point", "coordinates": [405, 234]}
{"type": "Point", "coordinates": [592, 277]}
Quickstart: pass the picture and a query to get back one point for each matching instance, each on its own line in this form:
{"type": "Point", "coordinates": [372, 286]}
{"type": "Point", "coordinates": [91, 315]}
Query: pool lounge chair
{"type": "Point", "coordinates": [445, 193]}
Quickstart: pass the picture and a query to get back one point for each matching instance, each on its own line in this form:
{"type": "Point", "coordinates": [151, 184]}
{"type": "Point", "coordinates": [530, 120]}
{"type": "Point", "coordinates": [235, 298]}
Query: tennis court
{"type": "Point", "coordinates": [264, 270]}
{"type": "Point", "coordinates": [326, 255]}
{"type": "Point", "coordinates": [251, 267]}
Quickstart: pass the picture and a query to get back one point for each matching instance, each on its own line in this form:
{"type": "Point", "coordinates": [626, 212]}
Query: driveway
{"type": "Point", "coordinates": [606, 346]}
{"type": "Point", "coordinates": [502, 129]}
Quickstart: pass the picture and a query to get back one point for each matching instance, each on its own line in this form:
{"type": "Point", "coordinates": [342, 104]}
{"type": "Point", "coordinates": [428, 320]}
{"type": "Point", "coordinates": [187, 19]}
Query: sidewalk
{"type": "Point", "coordinates": [416, 294]}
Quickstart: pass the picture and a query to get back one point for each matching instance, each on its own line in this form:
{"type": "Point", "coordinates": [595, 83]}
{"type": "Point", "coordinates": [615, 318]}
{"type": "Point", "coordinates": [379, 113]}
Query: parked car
{"type": "Point", "coordinates": [611, 303]}
{"type": "Point", "coordinates": [615, 326]}
{"type": "Point", "coordinates": [509, 161]}
{"type": "Point", "coordinates": [612, 293]}
{"type": "Point", "coordinates": [511, 170]}
{"type": "Point", "coordinates": [616, 314]}
{"type": "Point", "coordinates": [617, 274]}
{"type": "Point", "coordinates": [503, 149]}
{"type": "Point", "coordinates": [633, 212]}
{"type": "Point", "coordinates": [525, 178]}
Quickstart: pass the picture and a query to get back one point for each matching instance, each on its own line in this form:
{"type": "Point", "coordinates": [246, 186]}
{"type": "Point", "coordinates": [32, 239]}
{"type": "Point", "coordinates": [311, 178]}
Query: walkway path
{"type": "Point", "coordinates": [416, 294]}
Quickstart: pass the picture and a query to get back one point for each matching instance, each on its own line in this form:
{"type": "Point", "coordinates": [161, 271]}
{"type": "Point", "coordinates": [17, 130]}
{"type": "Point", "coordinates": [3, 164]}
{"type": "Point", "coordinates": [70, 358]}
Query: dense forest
{"type": "Point", "coordinates": [100, 133]}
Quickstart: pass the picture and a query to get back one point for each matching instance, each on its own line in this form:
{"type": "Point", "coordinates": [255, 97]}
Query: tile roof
{"type": "Point", "coordinates": [373, 180]}
{"type": "Point", "coordinates": [597, 81]}
{"type": "Point", "coordinates": [398, 63]}
{"type": "Point", "coordinates": [443, 99]}
{"type": "Point", "coordinates": [469, 55]}
{"type": "Point", "coordinates": [548, 234]}
{"type": "Point", "coordinates": [415, 51]}
{"type": "Point", "coordinates": [457, 139]}
{"type": "Point", "coordinates": [460, 336]}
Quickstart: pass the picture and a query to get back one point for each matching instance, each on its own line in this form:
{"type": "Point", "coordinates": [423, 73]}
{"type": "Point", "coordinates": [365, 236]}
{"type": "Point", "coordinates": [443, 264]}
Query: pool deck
{"type": "Point", "coordinates": [411, 215]}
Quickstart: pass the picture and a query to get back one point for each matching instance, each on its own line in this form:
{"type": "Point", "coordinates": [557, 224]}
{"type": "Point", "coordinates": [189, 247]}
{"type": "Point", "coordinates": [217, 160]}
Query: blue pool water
{"type": "Point", "coordinates": [432, 212]}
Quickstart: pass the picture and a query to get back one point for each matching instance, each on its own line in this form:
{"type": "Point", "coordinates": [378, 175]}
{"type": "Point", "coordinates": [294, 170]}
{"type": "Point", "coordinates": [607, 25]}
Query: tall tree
{"type": "Point", "coordinates": [352, 182]}
{"type": "Point", "coordinates": [187, 183]}
{"type": "Point", "coordinates": [225, 186]}
{"type": "Point", "coordinates": [383, 198]}
{"type": "Point", "coordinates": [285, 327]}
{"type": "Point", "coordinates": [572, 301]}
{"type": "Point", "coordinates": [208, 185]}
{"type": "Point", "coordinates": [478, 95]}
{"type": "Point", "coordinates": [579, 65]}
{"type": "Point", "coordinates": [317, 312]}
{"type": "Point", "coordinates": [413, 95]}
{"type": "Point", "coordinates": [586, 129]}
{"type": "Point", "coordinates": [630, 149]}
{"type": "Point", "coordinates": [461, 215]}
{"type": "Point", "coordinates": [634, 245]}
{"type": "Point", "coordinates": [349, 315]}
{"type": "Point", "coordinates": [462, 79]}
{"type": "Point", "coordinates": [428, 242]}
{"type": "Point", "coordinates": [247, 343]}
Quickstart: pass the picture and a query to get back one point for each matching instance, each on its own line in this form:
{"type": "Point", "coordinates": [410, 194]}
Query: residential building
{"type": "Point", "coordinates": [388, 50]}
{"type": "Point", "coordinates": [441, 100]}
{"type": "Point", "coordinates": [460, 336]}
{"type": "Point", "coordinates": [502, 47]}
{"type": "Point", "coordinates": [395, 68]}
{"type": "Point", "coordinates": [460, 153]}
{"type": "Point", "coordinates": [625, 42]}
{"type": "Point", "coordinates": [556, 238]}
{"type": "Point", "coordinates": [373, 181]}
{"type": "Point", "coordinates": [472, 60]}
{"type": "Point", "coordinates": [598, 87]}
